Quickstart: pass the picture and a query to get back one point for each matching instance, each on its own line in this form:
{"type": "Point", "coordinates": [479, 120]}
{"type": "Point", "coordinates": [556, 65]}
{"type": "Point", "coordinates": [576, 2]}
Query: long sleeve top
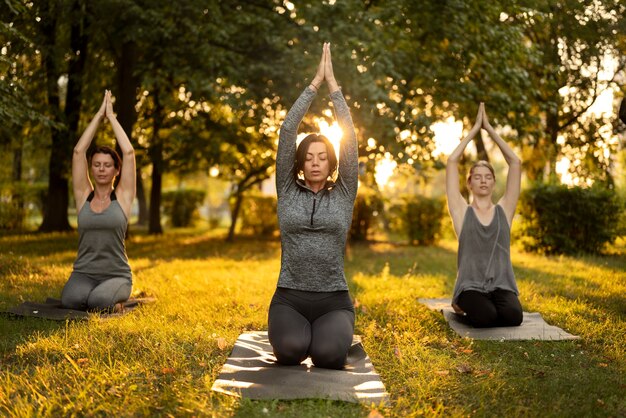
{"type": "Point", "coordinates": [314, 226]}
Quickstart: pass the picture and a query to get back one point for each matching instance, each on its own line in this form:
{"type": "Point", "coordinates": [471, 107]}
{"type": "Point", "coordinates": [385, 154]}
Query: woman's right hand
{"type": "Point", "coordinates": [102, 111]}
{"type": "Point", "coordinates": [319, 75]}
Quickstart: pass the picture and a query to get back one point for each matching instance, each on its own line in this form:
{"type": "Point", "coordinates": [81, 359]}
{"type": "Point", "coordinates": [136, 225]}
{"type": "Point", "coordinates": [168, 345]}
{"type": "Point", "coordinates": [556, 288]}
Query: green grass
{"type": "Point", "coordinates": [162, 359]}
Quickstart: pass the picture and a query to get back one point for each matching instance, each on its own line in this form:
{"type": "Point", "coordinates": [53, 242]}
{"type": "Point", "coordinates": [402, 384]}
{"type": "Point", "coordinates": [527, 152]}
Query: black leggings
{"type": "Point", "coordinates": [316, 324]}
{"type": "Point", "coordinates": [500, 308]}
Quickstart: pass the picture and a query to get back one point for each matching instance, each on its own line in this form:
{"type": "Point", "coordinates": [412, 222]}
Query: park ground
{"type": "Point", "coordinates": [162, 359]}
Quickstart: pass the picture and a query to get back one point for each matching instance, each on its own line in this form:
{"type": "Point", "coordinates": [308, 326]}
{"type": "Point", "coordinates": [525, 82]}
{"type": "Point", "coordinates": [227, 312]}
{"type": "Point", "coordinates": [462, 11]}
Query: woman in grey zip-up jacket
{"type": "Point", "coordinates": [311, 313]}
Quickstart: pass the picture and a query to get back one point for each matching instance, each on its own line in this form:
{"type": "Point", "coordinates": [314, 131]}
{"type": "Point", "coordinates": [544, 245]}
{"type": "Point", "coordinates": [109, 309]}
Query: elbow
{"type": "Point", "coordinates": [129, 152]}
{"type": "Point", "coordinates": [515, 161]}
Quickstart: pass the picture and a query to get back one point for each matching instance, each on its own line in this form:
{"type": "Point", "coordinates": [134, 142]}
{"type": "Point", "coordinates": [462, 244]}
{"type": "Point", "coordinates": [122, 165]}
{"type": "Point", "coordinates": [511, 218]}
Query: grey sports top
{"type": "Point", "coordinates": [484, 258]}
{"type": "Point", "coordinates": [314, 226]}
{"type": "Point", "coordinates": [101, 249]}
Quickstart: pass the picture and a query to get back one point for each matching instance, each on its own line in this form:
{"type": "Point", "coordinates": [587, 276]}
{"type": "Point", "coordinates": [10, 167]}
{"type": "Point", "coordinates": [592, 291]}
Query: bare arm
{"type": "Point", "coordinates": [457, 206]}
{"type": "Point", "coordinates": [125, 191]}
{"type": "Point", "coordinates": [80, 172]}
{"type": "Point", "coordinates": [514, 175]}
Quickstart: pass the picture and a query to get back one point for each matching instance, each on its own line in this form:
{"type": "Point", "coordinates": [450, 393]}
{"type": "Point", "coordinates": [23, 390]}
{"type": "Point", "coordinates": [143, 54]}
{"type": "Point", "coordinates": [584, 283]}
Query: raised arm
{"type": "Point", "coordinates": [125, 190]}
{"type": "Point", "coordinates": [514, 175]}
{"type": "Point", "coordinates": [80, 170]}
{"type": "Point", "coordinates": [286, 155]}
{"type": "Point", "coordinates": [348, 178]}
{"type": "Point", "coordinates": [457, 205]}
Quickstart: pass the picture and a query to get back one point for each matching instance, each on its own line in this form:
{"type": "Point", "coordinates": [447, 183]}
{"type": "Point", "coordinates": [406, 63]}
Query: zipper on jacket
{"type": "Point", "coordinates": [313, 211]}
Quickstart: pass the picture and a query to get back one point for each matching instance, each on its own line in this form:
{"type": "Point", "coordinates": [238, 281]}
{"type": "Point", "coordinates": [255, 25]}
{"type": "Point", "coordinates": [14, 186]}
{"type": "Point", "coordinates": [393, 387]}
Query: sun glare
{"type": "Point", "coordinates": [385, 168]}
{"type": "Point", "coordinates": [447, 135]}
{"type": "Point", "coordinates": [330, 131]}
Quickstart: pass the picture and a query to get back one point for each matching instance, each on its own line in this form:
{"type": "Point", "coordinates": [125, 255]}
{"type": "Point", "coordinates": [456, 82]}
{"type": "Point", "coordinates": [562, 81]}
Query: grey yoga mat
{"type": "Point", "coordinates": [251, 372]}
{"type": "Point", "coordinates": [52, 309]}
{"type": "Point", "coordinates": [533, 326]}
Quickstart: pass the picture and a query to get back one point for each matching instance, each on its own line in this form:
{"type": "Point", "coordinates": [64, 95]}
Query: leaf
{"type": "Point", "coordinates": [397, 353]}
{"type": "Point", "coordinates": [221, 343]}
{"type": "Point", "coordinates": [464, 368]}
{"type": "Point", "coordinates": [442, 372]}
{"type": "Point", "coordinates": [375, 414]}
{"type": "Point", "coordinates": [168, 370]}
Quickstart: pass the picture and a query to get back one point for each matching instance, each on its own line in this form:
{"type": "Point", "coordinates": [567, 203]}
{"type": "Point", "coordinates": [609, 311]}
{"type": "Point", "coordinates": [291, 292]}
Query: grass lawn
{"type": "Point", "coordinates": [162, 359]}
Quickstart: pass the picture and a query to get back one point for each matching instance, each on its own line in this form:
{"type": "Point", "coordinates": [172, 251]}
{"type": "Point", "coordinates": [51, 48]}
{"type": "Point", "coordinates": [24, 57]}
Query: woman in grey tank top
{"type": "Point", "coordinates": [485, 290]}
{"type": "Point", "coordinates": [101, 278]}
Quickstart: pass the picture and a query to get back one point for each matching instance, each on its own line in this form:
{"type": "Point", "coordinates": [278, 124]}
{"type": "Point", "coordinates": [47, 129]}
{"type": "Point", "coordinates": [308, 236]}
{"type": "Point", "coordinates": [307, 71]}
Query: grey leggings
{"type": "Point", "coordinates": [316, 324]}
{"type": "Point", "coordinates": [85, 291]}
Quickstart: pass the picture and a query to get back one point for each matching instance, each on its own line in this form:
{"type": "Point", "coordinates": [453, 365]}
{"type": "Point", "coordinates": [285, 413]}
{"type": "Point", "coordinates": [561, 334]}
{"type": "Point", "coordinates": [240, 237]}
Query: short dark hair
{"type": "Point", "coordinates": [303, 148]}
{"type": "Point", "coordinates": [103, 149]}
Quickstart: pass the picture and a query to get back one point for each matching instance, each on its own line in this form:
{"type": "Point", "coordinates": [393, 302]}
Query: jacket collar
{"type": "Point", "coordinates": [328, 186]}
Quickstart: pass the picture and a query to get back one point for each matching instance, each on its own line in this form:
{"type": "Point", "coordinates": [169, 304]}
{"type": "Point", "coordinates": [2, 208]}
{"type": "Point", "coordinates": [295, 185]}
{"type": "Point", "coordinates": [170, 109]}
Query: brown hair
{"type": "Point", "coordinates": [303, 148]}
{"type": "Point", "coordinates": [103, 149]}
{"type": "Point", "coordinates": [481, 163]}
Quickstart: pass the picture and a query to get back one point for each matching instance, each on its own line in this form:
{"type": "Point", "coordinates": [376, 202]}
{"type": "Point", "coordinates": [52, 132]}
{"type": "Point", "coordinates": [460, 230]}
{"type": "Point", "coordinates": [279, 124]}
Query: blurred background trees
{"type": "Point", "coordinates": [201, 87]}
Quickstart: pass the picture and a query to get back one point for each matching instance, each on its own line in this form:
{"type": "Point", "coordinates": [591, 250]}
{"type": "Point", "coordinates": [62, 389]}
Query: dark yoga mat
{"type": "Point", "coordinates": [251, 372]}
{"type": "Point", "coordinates": [533, 326]}
{"type": "Point", "coordinates": [52, 309]}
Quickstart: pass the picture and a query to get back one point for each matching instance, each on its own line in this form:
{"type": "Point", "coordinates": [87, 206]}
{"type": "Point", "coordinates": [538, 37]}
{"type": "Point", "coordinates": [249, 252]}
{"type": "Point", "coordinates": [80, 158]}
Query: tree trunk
{"type": "Point", "coordinates": [16, 177]}
{"type": "Point", "coordinates": [234, 214]}
{"type": "Point", "coordinates": [156, 156]}
{"type": "Point", "coordinates": [481, 152]}
{"type": "Point", "coordinates": [57, 200]}
{"type": "Point", "coordinates": [128, 84]}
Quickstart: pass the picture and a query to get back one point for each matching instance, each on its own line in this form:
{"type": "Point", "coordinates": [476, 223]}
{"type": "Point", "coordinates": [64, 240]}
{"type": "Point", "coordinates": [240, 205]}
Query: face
{"type": "Point", "coordinates": [481, 182]}
{"type": "Point", "coordinates": [103, 168]}
{"type": "Point", "coordinates": [316, 167]}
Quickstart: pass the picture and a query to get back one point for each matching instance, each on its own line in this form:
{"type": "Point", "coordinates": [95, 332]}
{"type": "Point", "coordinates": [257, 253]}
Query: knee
{"type": "Point", "coordinates": [289, 350]}
{"type": "Point", "coordinates": [328, 355]}
{"type": "Point", "coordinates": [483, 318]}
{"type": "Point", "coordinates": [511, 316]}
{"type": "Point", "coordinates": [72, 301]}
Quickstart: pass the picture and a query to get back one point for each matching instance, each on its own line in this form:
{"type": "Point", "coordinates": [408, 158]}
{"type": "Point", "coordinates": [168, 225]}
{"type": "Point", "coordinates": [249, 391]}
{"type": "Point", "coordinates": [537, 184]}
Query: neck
{"type": "Point", "coordinates": [482, 202]}
{"type": "Point", "coordinates": [102, 192]}
{"type": "Point", "coordinates": [316, 186]}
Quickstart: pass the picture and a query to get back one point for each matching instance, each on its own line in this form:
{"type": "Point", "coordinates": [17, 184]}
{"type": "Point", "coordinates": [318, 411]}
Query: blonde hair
{"type": "Point", "coordinates": [481, 163]}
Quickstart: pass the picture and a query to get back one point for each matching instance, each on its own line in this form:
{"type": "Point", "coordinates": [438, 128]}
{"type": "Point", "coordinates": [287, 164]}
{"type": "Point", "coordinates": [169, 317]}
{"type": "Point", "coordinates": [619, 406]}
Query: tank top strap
{"type": "Point", "coordinates": [92, 194]}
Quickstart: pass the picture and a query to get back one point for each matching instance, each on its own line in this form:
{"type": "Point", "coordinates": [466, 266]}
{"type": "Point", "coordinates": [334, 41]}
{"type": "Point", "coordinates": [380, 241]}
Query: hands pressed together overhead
{"type": "Point", "coordinates": [325, 71]}
{"type": "Point", "coordinates": [106, 108]}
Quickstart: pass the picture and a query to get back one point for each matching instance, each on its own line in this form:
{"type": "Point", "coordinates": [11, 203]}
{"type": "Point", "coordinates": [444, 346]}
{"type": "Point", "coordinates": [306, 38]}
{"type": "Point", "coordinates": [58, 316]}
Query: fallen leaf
{"type": "Point", "coordinates": [603, 365]}
{"type": "Point", "coordinates": [397, 353]}
{"type": "Point", "coordinates": [442, 372]}
{"type": "Point", "coordinates": [374, 414]}
{"type": "Point", "coordinates": [168, 370]}
{"type": "Point", "coordinates": [464, 368]}
{"type": "Point", "coordinates": [356, 303]}
{"type": "Point", "coordinates": [221, 343]}
{"type": "Point", "coordinates": [485, 372]}
{"type": "Point", "coordinates": [466, 350]}
{"type": "Point", "coordinates": [82, 361]}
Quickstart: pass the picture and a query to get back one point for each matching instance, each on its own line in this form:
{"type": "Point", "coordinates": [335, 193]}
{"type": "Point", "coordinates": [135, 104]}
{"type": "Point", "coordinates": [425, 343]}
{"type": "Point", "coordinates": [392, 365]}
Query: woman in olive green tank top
{"type": "Point", "coordinates": [101, 278]}
{"type": "Point", "coordinates": [485, 290]}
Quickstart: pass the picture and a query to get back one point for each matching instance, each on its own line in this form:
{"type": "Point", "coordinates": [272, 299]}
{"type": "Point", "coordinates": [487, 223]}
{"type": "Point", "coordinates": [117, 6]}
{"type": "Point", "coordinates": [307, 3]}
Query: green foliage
{"type": "Point", "coordinates": [419, 217]}
{"type": "Point", "coordinates": [368, 207]}
{"type": "Point", "coordinates": [258, 215]}
{"type": "Point", "coordinates": [18, 201]}
{"type": "Point", "coordinates": [181, 206]}
{"type": "Point", "coordinates": [562, 220]}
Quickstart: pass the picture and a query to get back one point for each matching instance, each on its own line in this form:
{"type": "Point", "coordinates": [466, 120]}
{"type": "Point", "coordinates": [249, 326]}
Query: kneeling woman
{"type": "Point", "coordinates": [311, 313]}
{"type": "Point", "coordinates": [101, 278]}
{"type": "Point", "coordinates": [485, 289]}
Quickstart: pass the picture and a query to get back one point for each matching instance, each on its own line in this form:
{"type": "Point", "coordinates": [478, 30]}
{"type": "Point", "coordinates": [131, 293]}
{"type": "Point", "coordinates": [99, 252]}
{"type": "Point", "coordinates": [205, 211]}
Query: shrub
{"type": "Point", "coordinates": [367, 206]}
{"type": "Point", "coordinates": [561, 220]}
{"type": "Point", "coordinates": [419, 217]}
{"type": "Point", "coordinates": [258, 214]}
{"type": "Point", "coordinates": [18, 201]}
{"type": "Point", "coordinates": [181, 206]}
